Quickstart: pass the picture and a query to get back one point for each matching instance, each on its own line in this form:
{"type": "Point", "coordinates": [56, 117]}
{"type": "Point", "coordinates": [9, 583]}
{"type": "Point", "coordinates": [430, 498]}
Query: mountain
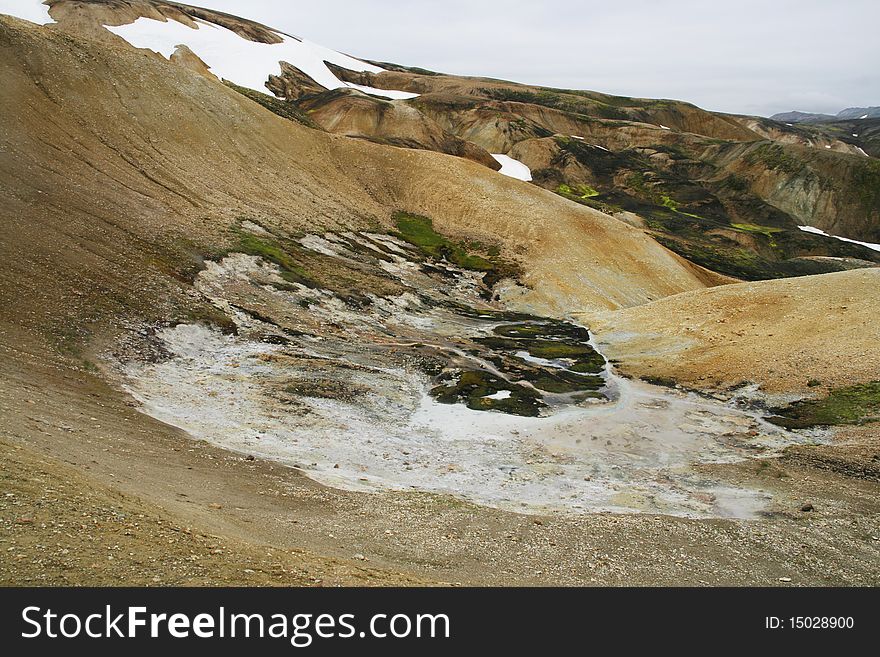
{"type": "Point", "coordinates": [801, 117]}
{"type": "Point", "coordinates": [849, 113]}
{"type": "Point", "coordinates": [276, 314]}
{"type": "Point", "coordinates": [859, 113]}
{"type": "Point", "coordinates": [864, 134]}
{"type": "Point", "coordinates": [639, 155]}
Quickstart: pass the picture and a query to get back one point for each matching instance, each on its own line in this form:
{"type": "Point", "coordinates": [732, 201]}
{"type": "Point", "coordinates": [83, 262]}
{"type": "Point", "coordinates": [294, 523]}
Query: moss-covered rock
{"type": "Point", "coordinates": [475, 389]}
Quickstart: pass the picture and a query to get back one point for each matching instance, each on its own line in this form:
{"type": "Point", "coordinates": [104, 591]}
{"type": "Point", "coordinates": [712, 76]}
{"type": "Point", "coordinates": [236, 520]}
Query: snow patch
{"type": "Point", "coordinates": [500, 395]}
{"type": "Point", "coordinates": [513, 168]}
{"type": "Point", "coordinates": [545, 362]}
{"type": "Point", "coordinates": [248, 63]}
{"type": "Point", "coordinates": [818, 231]}
{"type": "Point", "coordinates": [664, 127]}
{"type": "Point", "coordinates": [30, 10]}
{"type": "Point", "coordinates": [864, 117]}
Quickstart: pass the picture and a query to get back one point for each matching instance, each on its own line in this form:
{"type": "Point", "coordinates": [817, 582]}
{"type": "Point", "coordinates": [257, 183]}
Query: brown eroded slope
{"type": "Point", "coordinates": [354, 114]}
{"type": "Point", "coordinates": [440, 90]}
{"type": "Point", "coordinates": [781, 334]}
{"type": "Point", "coordinates": [86, 17]}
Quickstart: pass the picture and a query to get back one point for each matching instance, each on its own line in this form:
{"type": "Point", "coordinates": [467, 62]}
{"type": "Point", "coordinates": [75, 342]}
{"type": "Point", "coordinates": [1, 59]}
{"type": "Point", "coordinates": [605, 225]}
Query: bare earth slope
{"type": "Point", "coordinates": [133, 542]}
{"type": "Point", "coordinates": [354, 114]}
{"type": "Point", "coordinates": [781, 334]}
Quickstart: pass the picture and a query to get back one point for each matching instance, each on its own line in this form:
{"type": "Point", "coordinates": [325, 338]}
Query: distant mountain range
{"type": "Point", "coordinates": [842, 115]}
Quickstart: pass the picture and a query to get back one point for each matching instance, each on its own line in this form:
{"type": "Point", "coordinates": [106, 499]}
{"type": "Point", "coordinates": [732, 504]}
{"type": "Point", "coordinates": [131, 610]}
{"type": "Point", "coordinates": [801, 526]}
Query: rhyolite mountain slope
{"type": "Point", "coordinates": [859, 113]}
{"type": "Point", "coordinates": [858, 133]}
{"type": "Point", "coordinates": [800, 117]}
{"type": "Point", "coordinates": [726, 192]}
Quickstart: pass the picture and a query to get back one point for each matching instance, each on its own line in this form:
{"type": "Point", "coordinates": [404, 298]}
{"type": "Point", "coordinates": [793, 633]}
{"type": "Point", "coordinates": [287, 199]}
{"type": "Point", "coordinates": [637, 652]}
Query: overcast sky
{"type": "Point", "coordinates": [745, 56]}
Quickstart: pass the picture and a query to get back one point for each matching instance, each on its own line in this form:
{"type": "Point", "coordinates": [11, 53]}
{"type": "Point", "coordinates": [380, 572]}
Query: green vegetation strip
{"type": "Point", "coordinates": [271, 250]}
{"type": "Point", "coordinates": [419, 231]}
{"type": "Point", "coordinates": [857, 404]}
{"type": "Point", "coordinates": [579, 192]}
{"type": "Point", "coordinates": [766, 231]}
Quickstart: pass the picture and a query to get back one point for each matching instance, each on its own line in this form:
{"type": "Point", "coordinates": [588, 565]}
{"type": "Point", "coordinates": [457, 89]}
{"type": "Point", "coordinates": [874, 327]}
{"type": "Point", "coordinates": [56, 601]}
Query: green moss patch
{"type": "Point", "coordinates": [487, 313]}
{"type": "Point", "coordinates": [549, 340]}
{"type": "Point", "coordinates": [578, 365]}
{"type": "Point", "coordinates": [857, 404]}
{"type": "Point", "coordinates": [575, 371]}
{"type": "Point", "coordinates": [671, 204]}
{"type": "Point", "coordinates": [272, 251]}
{"type": "Point", "coordinates": [578, 192]}
{"type": "Point", "coordinates": [563, 382]}
{"type": "Point", "coordinates": [303, 266]}
{"type": "Point", "coordinates": [767, 231]}
{"type": "Point", "coordinates": [419, 231]}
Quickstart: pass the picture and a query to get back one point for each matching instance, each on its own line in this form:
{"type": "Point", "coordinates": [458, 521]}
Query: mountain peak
{"type": "Point", "coordinates": [813, 117]}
